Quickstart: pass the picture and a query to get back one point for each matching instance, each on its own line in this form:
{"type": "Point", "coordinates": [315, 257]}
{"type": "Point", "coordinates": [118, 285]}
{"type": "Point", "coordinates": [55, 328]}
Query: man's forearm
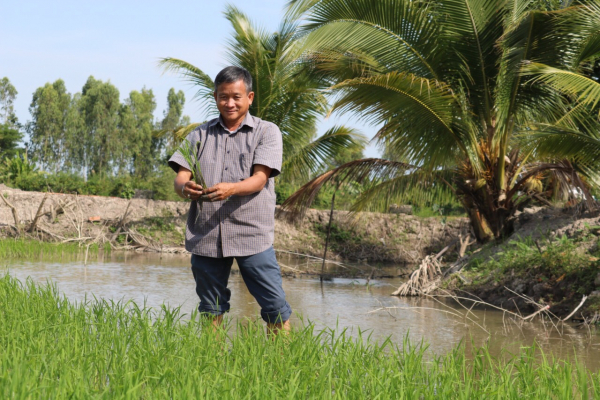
{"type": "Point", "coordinates": [250, 185]}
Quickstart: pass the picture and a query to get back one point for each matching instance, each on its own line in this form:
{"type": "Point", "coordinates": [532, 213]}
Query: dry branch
{"type": "Point", "coordinates": [54, 212]}
{"type": "Point", "coordinates": [424, 279]}
{"type": "Point", "coordinates": [576, 308]}
{"type": "Point", "coordinates": [121, 222]}
{"type": "Point", "coordinates": [545, 308]}
{"type": "Point", "coordinates": [14, 213]}
{"type": "Point", "coordinates": [38, 214]}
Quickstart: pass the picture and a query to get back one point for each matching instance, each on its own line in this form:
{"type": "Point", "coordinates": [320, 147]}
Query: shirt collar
{"type": "Point", "coordinates": [248, 121]}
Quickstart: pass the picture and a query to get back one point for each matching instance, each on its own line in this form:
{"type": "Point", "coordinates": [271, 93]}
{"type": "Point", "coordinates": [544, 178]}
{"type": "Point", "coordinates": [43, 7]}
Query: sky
{"type": "Point", "coordinates": [121, 41]}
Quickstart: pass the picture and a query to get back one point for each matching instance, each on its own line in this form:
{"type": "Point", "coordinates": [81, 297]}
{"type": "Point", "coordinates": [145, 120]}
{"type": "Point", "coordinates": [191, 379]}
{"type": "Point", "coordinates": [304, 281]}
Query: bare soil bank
{"type": "Point", "coordinates": [552, 259]}
{"type": "Point", "coordinates": [366, 237]}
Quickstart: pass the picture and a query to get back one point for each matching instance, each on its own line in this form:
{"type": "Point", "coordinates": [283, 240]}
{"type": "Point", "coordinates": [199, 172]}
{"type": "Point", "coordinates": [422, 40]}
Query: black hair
{"type": "Point", "coordinates": [233, 74]}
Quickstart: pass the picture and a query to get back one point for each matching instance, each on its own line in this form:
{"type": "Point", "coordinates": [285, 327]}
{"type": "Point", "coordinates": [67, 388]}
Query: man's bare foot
{"type": "Point", "coordinates": [275, 329]}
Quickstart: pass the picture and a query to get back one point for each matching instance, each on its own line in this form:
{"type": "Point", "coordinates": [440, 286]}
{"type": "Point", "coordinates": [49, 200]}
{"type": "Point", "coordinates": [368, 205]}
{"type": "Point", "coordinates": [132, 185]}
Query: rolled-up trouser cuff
{"type": "Point", "coordinates": [277, 316]}
{"type": "Point", "coordinates": [214, 310]}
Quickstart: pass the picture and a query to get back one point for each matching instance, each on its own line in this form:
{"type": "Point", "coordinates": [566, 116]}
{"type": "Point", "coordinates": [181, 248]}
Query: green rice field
{"type": "Point", "coordinates": [51, 347]}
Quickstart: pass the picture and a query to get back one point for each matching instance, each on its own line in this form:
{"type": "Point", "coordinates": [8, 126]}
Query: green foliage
{"type": "Point", "coordinates": [474, 97]}
{"type": "Point", "coordinates": [47, 130]}
{"type": "Point", "coordinates": [106, 349]}
{"type": "Point", "coordinates": [8, 94]}
{"type": "Point", "coordinates": [126, 191]}
{"type": "Point", "coordinates": [283, 190]}
{"type": "Point", "coordinates": [450, 209]}
{"type": "Point", "coordinates": [33, 249]}
{"type": "Point", "coordinates": [9, 141]}
{"type": "Point", "coordinates": [160, 183]}
{"type": "Point", "coordinates": [93, 133]}
{"type": "Point", "coordinates": [523, 256]}
{"type": "Point", "coordinates": [17, 169]}
{"type": "Point", "coordinates": [137, 125]}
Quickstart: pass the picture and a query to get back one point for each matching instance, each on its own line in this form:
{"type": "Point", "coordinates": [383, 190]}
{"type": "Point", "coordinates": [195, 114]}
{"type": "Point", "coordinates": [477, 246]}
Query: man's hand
{"type": "Point", "coordinates": [224, 190]}
{"type": "Point", "coordinates": [185, 187]}
{"type": "Point", "coordinates": [191, 190]}
{"type": "Point", "coordinates": [221, 191]}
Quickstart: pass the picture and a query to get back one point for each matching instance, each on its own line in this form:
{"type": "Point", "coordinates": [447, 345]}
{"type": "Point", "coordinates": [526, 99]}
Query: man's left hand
{"type": "Point", "coordinates": [221, 191]}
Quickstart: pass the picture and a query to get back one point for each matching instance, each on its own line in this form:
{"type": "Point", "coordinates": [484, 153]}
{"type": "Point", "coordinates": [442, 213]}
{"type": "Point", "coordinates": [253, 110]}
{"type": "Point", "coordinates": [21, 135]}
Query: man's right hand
{"type": "Point", "coordinates": [185, 187]}
{"type": "Point", "coordinates": [192, 190]}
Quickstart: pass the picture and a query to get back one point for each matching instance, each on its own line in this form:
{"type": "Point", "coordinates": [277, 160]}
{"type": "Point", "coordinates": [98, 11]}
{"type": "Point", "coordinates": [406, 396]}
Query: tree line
{"type": "Point", "coordinates": [91, 132]}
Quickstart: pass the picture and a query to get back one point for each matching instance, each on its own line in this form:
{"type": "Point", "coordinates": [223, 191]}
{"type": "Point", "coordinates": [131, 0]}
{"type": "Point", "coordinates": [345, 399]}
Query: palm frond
{"type": "Point", "coordinates": [520, 43]}
{"type": "Point", "coordinates": [301, 161]}
{"type": "Point", "coordinates": [397, 33]}
{"type": "Point", "coordinates": [417, 187]}
{"type": "Point", "coordinates": [581, 24]}
{"type": "Point", "coordinates": [196, 77]}
{"type": "Point", "coordinates": [585, 90]}
{"type": "Point", "coordinates": [474, 27]}
{"type": "Point", "coordinates": [413, 110]}
{"type": "Point", "coordinates": [558, 143]}
{"type": "Point", "coordinates": [355, 171]}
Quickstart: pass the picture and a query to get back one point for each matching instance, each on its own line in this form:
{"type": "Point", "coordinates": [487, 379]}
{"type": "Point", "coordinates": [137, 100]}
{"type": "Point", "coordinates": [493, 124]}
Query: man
{"type": "Point", "coordinates": [239, 157]}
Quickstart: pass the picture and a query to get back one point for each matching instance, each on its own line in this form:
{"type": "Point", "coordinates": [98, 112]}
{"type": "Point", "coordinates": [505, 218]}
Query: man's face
{"type": "Point", "coordinates": [233, 102]}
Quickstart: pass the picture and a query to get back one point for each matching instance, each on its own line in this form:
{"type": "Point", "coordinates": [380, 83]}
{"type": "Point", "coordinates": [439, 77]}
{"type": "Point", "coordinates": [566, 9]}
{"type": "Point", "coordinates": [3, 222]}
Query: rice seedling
{"type": "Point", "coordinates": [35, 249]}
{"type": "Point", "coordinates": [191, 155]}
{"type": "Point", "coordinates": [53, 348]}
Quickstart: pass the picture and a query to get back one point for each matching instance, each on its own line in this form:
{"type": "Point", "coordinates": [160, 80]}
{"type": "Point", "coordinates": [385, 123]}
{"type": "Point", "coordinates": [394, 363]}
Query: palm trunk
{"type": "Point", "coordinates": [482, 231]}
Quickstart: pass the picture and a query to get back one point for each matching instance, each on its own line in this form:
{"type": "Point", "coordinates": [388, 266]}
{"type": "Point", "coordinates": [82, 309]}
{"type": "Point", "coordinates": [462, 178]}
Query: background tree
{"type": "Point", "coordinates": [102, 142]}
{"type": "Point", "coordinates": [286, 93]}
{"type": "Point", "coordinates": [137, 127]}
{"type": "Point", "coordinates": [49, 109]}
{"type": "Point", "coordinates": [173, 121]}
{"type": "Point", "coordinates": [448, 82]}
{"type": "Point", "coordinates": [8, 94]}
{"type": "Point", "coordinates": [10, 133]}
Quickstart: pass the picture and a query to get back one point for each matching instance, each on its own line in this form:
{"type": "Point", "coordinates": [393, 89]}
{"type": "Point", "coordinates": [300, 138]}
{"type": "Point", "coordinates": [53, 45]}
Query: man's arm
{"type": "Point", "coordinates": [224, 190]}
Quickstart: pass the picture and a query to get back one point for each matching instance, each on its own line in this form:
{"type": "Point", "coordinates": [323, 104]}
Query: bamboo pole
{"type": "Point", "coordinates": [328, 233]}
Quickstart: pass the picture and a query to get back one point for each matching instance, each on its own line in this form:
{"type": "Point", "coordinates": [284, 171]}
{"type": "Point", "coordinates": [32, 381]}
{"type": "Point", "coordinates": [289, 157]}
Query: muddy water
{"type": "Point", "coordinates": [342, 303]}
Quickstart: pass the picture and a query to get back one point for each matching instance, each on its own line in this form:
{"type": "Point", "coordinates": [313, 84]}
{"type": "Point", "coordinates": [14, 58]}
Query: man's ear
{"type": "Point", "coordinates": [250, 96]}
{"type": "Point", "coordinates": [215, 95]}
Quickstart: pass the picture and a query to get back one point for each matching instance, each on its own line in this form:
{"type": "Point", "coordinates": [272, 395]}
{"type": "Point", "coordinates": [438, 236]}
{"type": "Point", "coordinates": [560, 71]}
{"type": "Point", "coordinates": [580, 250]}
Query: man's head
{"type": "Point", "coordinates": [233, 94]}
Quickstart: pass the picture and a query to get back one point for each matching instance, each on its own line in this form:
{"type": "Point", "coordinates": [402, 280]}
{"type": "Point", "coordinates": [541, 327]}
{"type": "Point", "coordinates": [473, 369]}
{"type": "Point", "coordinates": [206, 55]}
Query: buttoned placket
{"type": "Point", "coordinates": [226, 164]}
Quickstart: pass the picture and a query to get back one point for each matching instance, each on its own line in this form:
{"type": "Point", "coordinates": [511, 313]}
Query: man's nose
{"type": "Point", "coordinates": [230, 103]}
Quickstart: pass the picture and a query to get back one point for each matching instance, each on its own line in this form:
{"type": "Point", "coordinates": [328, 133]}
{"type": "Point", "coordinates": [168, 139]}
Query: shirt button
{"type": "Point", "coordinates": [225, 168]}
{"type": "Point", "coordinates": [227, 151]}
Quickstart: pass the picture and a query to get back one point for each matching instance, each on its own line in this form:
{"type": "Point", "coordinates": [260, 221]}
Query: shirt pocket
{"type": "Point", "coordinates": [245, 166]}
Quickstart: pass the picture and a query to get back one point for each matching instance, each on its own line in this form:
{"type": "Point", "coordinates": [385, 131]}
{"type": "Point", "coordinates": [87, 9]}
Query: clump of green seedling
{"type": "Point", "coordinates": [191, 154]}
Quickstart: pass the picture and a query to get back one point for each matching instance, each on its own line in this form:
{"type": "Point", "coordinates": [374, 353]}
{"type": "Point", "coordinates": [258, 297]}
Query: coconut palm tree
{"type": "Point", "coordinates": [286, 93]}
{"type": "Point", "coordinates": [466, 97]}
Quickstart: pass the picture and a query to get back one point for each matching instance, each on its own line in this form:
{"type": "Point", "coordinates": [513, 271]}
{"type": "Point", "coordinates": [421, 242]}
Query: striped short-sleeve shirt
{"type": "Point", "coordinates": [240, 225]}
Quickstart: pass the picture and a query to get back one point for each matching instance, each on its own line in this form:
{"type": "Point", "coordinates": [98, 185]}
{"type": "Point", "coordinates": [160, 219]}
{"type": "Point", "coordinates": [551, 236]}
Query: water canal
{"type": "Point", "coordinates": [340, 303]}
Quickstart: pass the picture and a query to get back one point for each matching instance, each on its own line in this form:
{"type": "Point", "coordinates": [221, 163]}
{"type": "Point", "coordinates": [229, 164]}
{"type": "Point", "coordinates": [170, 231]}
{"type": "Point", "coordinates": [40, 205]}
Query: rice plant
{"type": "Point", "coordinates": [191, 155]}
{"type": "Point", "coordinates": [28, 248]}
{"type": "Point", "coordinates": [53, 348]}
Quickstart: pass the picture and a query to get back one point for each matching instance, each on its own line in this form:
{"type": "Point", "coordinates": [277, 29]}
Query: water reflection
{"type": "Point", "coordinates": [344, 303]}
